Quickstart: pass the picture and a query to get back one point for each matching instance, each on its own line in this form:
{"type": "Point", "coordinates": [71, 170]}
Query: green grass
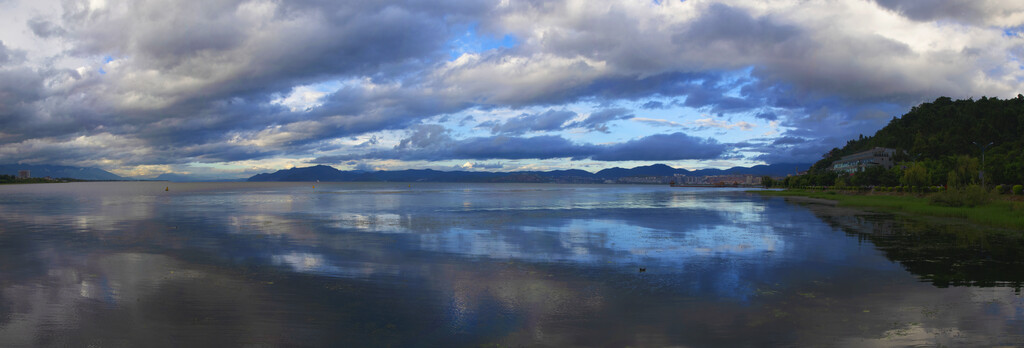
{"type": "Point", "coordinates": [999, 213]}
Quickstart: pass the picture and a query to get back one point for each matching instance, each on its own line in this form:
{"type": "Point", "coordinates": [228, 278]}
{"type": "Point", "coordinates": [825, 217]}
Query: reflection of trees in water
{"type": "Point", "coordinates": [943, 253]}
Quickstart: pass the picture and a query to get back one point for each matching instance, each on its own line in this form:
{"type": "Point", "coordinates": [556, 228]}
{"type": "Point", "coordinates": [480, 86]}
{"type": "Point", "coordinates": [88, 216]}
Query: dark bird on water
{"type": "Point", "coordinates": [643, 269]}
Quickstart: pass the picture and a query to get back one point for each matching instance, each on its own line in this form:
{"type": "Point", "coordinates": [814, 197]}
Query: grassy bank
{"type": "Point", "coordinates": [998, 213]}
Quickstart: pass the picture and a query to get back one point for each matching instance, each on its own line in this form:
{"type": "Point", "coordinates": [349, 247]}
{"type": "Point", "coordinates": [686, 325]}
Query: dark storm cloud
{"type": "Point", "coordinates": [782, 53]}
{"type": "Point", "coordinates": [234, 57]}
{"type": "Point", "coordinates": [662, 147]}
{"type": "Point", "coordinates": [18, 91]}
{"type": "Point", "coordinates": [5, 56]}
{"type": "Point", "coordinates": [45, 28]}
{"type": "Point", "coordinates": [973, 12]}
{"type": "Point", "coordinates": [653, 105]}
{"type": "Point", "coordinates": [291, 41]}
{"type": "Point", "coordinates": [373, 140]}
{"type": "Point", "coordinates": [658, 147]}
{"type": "Point", "coordinates": [788, 141]}
{"type": "Point", "coordinates": [719, 103]}
{"type": "Point", "coordinates": [823, 127]}
{"type": "Point", "coordinates": [211, 135]}
{"type": "Point", "coordinates": [813, 59]}
{"type": "Point", "coordinates": [807, 153]}
{"type": "Point", "coordinates": [480, 148]}
{"type": "Point", "coordinates": [232, 65]}
{"type": "Point", "coordinates": [10, 56]}
{"type": "Point", "coordinates": [549, 120]}
{"type": "Point", "coordinates": [466, 120]}
{"type": "Point", "coordinates": [701, 90]}
{"type": "Point", "coordinates": [199, 80]}
{"type": "Point", "coordinates": [425, 135]}
{"type": "Point", "coordinates": [787, 54]}
{"type": "Point", "coordinates": [726, 29]}
{"type": "Point", "coordinates": [768, 115]}
{"type": "Point", "coordinates": [598, 121]}
{"type": "Point", "coordinates": [505, 147]}
{"type": "Point", "coordinates": [666, 84]}
{"type": "Point", "coordinates": [96, 149]}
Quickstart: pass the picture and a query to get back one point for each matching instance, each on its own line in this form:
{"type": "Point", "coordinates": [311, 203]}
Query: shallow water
{"type": "Point", "coordinates": [130, 264]}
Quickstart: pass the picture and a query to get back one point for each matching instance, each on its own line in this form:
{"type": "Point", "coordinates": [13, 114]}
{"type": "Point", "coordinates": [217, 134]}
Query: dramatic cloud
{"type": "Point", "coordinates": [979, 12]}
{"type": "Point", "coordinates": [598, 121]}
{"type": "Point", "coordinates": [9, 56]}
{"type": "Point", "coordinates": [789, 141]}
{"type": "Point", "coordinates": [547, 121]}
{"type": "Point", "coordinates": [122, 84]}
{"type": "Point", "coordinates": [712, 123]}
{"type": "Point", "coordinates": [662, 147]}
{"type": "Point", "coordinates": [426, 136]}
{"type": "Point", "coordinates": [479, 148]}
{"type": "Point", "coordinates": [477, 165]}
{"type": "Point", "coordinates": [659, 122]}
{"type": "Point", "coordinates": [653, 105]}
{"type": "Point", "coordinates": [658, 147]}
{"type": "Point", "coordinates": [44, 28]}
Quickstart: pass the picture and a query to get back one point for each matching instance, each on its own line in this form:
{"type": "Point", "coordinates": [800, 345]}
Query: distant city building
{"type": "Point", "coordinates": [681, 179]}
{"type": "Point", "coordinates": [24, 174]}
{"type": "Point", "coordinates": [645, 180]}
{"type": "Point", "coordinates": [857, 162]}
{"type": "Point", "coordinates": [735, 179]}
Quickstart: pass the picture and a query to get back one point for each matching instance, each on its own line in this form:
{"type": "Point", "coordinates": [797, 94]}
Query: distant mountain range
{"type": "Point", "coordinates": [172, 177]}
{"type": "Point", "coordinates": [327, 173]}
{"type": "Point", "coordinates": [781, 169]}
{"type": "Point", "coordinates": [42, 171]}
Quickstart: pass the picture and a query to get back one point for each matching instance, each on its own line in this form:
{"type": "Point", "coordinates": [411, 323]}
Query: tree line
{"type": "Point", "coordinates": [938, 144]}
{"type": "Point", "coordinates": [11, 179]}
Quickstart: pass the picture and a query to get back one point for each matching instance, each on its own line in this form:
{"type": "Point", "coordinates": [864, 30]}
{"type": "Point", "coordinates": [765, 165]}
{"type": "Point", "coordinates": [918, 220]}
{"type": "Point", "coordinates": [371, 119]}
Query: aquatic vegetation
{"type": "Point", "coordinates": [968, 196]}
{"type": "Point", "coordinates": [998, 213]}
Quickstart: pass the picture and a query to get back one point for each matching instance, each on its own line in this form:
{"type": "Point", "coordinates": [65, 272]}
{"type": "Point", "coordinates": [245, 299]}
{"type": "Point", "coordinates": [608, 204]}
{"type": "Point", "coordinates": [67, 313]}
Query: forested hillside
{"type": "Point", "coordinates": [945, 138]}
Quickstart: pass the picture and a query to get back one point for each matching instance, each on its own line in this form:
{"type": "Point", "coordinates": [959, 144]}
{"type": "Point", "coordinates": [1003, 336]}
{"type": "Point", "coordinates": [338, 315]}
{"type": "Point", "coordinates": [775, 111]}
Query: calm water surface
{"type": "Point", "coordinates": [379, 264]}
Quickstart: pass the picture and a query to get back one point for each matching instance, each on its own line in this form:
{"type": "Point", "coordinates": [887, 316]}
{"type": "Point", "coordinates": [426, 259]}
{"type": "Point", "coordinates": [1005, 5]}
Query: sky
{"type": "Point", "coordinates": [228, 89]}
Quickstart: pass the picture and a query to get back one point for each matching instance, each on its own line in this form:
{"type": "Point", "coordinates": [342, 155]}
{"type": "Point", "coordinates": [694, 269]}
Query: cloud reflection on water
{"type": "Point", "coordinates": [275, 262]}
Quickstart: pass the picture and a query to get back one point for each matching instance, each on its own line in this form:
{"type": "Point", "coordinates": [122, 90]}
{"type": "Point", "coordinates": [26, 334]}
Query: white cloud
{"type": "Point", "coordinates": [773, 129]}
{"type": "Point", "coordinates": [229, 81]}
{"type": "Point", "coordinates": [712, 123]}
{"type": "Point", "coordinates": [514, 79]}
{"type": "Point", "coordinates": [306, 97]}
{"type": "Point", "coordinates": [658, 122]}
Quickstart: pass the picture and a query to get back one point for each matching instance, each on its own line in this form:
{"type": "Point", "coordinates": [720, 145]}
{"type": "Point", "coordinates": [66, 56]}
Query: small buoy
{"type": "Point", "coordinates": [168, 188]}
{"type": "Point", "coordinates": [643, 269]}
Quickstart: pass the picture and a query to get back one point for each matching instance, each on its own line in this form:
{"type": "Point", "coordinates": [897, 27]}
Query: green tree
{"type": "Point", "coordinates": [875, 176]}
{"type": "Point", "coordinates": [953, 180]}
{"type": "Point", "coordinates": [916, 175]}
{"type": "Point", "coordinates": [963, 173]}
{"type": "Point", "coordinates": [840, 184]}
{"type": "Point", "coordinates": [937, 132]}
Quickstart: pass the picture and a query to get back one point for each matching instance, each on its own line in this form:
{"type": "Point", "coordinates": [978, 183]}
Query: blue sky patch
{"type": "Point", "coordinates": [472, 41]}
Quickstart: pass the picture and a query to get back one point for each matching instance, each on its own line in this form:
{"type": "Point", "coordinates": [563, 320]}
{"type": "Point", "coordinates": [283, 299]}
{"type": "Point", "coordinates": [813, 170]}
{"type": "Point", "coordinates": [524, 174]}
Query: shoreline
{"type": "Point", "coordinates": [1006, 214]}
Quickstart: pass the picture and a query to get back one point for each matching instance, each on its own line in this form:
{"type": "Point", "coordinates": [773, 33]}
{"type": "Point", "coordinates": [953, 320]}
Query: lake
{"type": "Point", "coordinates": [441, 264]}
